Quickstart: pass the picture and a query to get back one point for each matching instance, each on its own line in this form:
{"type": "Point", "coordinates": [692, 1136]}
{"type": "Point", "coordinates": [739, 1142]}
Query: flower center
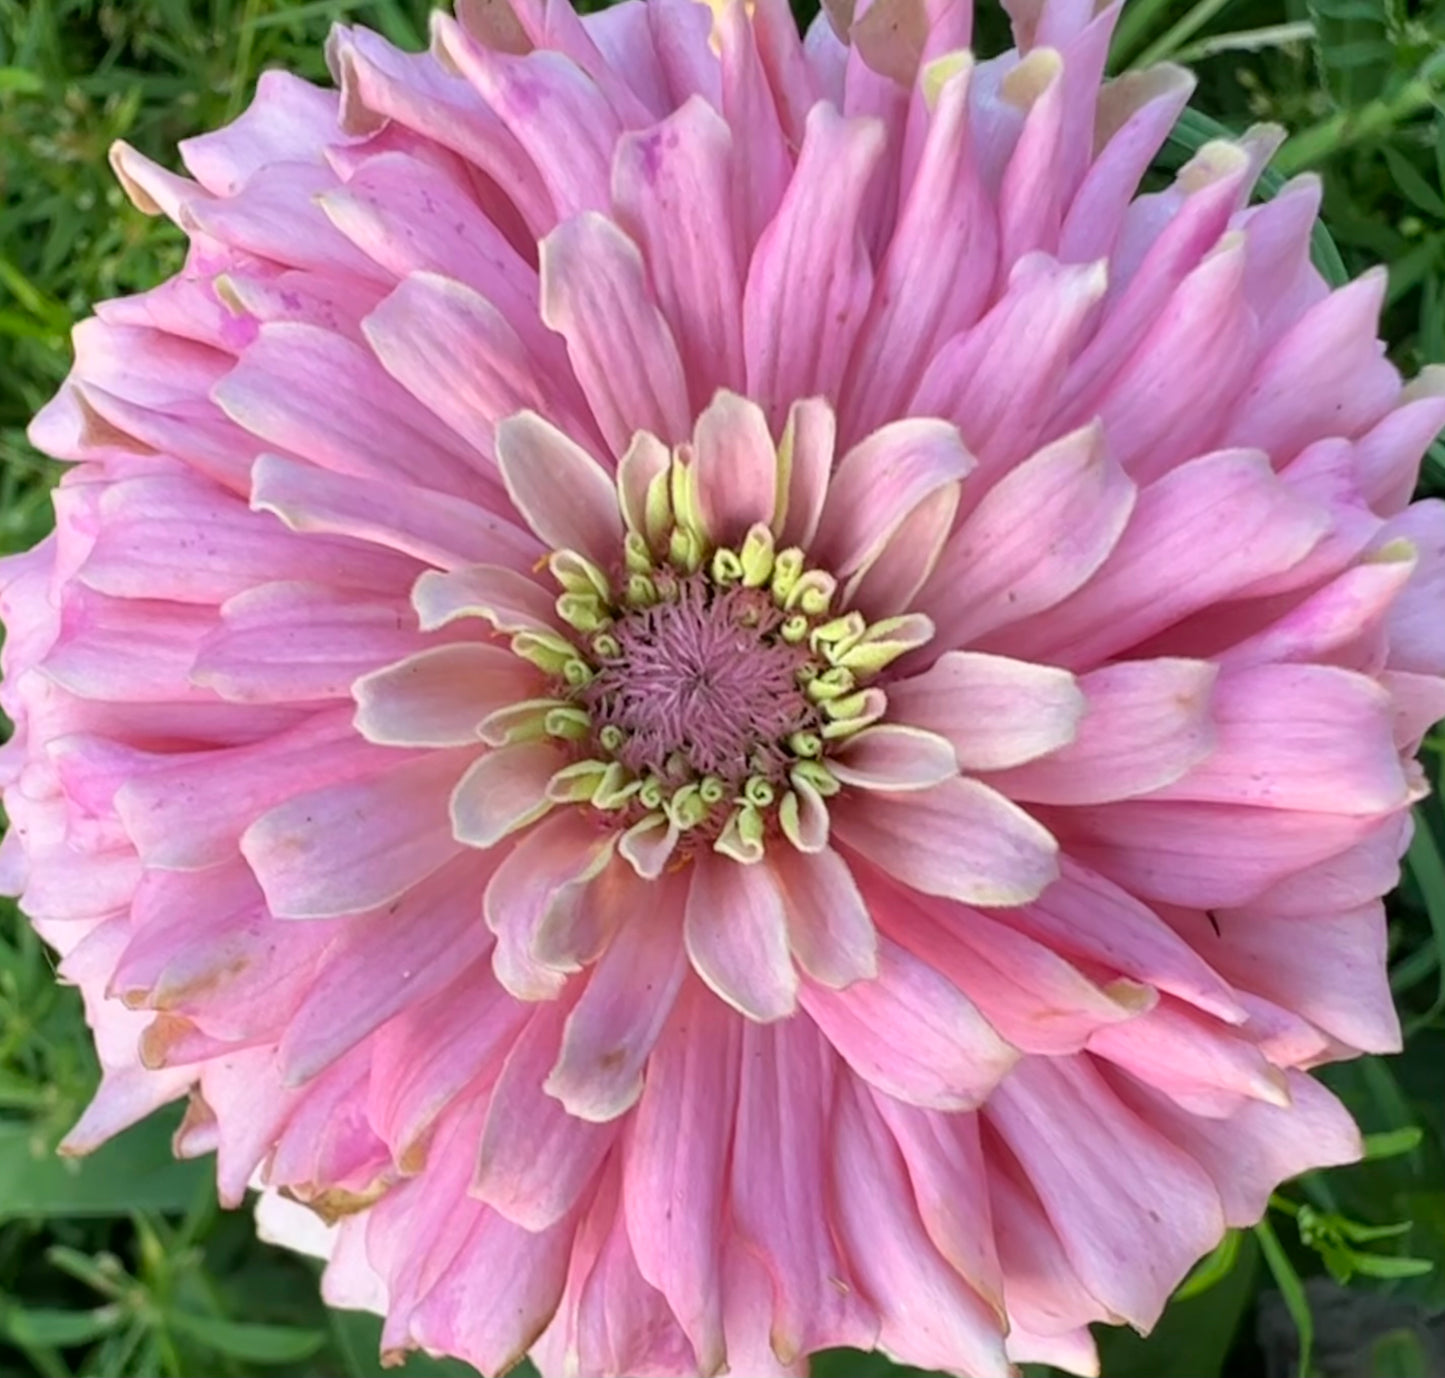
{"type": "Point", "coordinates": [700, 681]}
{"type": "Point", "coordinates": [701, 684]}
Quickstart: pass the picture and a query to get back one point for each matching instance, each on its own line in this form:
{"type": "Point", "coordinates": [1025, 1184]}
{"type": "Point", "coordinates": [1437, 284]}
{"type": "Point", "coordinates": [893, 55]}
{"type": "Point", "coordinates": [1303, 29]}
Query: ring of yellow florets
{"type": "Point", "coordinates": [807, 666]}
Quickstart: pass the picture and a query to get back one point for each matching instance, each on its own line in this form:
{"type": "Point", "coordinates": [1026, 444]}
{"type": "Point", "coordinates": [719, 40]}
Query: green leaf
{"type": "Point", "coordinates": [1427, 870]}
{"type": "Point", "coordinates": [1212, 1269]}
{"type": "Point", "coordinates": [1412, 185]}
{"type": "Point", "coordinates": [1389, 1266]}
{"type": "Point", "coordinates": [1399, 1354]}
{"type": "Point", "coordinates": [25, 1327]}
{"type": "Point", "coordinates": [1370, 1234]}
{"type": "Point", "coordinates": [134, 1171]}
{"type": "Point", "coordinates": [1194, 1336]}
{"type": "Point", "coordinates": [1393, 1143]}
{"type": "Point", "coordinates": [21, 80]}
{"type": "Point", "coordinates": [1353, 49]}
{"type": "Point", "coordinates": [260, 1344]}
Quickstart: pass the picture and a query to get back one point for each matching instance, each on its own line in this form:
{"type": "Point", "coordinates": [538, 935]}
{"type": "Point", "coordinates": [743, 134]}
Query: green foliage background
{"type": "Point", "coordinates": [124, 1265]}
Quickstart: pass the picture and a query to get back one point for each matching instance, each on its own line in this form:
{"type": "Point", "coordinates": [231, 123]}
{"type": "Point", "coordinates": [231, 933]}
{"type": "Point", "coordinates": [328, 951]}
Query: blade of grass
{"type": "Point", "coordinates": [1428, 872]}
{"type": "Point", "coordinates": [1292, 1290]}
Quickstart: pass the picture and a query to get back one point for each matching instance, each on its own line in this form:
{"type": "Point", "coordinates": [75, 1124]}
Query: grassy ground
{"type": "Point", "coordinates": [123, 1265]}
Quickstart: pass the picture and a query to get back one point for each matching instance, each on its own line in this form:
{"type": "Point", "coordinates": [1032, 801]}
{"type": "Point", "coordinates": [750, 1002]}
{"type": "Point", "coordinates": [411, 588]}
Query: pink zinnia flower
{"type": "Point", "coordinates": [713, 690]}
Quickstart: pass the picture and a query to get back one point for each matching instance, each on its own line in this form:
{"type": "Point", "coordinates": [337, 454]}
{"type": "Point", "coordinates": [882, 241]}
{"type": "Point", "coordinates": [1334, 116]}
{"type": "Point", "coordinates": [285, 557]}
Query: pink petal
{"type": "Point", "coordinates": [400, 955]}
{"type": "Point", "coordinates": [749, 105]}
{"type": "Point", "coordinates": [1145, 724]}
{"type": "Point", "coordinates": [504, 791]}
{"type": "Point", "coordinates": [288, 121]}
{"type": "Point", "coordinates": [1219, 525]}
{"type": "Point", "coordinates": [1034, 183]}
{"type": "Point", "coordinates": [150, 188]}
{"type": "Point", "coordinates": [511, 602]}
{"type": "Point", "coordinates": [1068, 499]}
{"type": "Point", "coordinates": [596, 295]}
{"type": "Point", "coordinates": [189, 811]}
{"type": "Point", "coordinates": [1161, 240]}
{"type": "Point", "coordinates": [1417, 703]}
{"type": "Point", "coordinates": [675, 1165]}
{"type": "Point", "coordinates": [735, 469]}
{"type": "Point", "coordinates": [491, 1320]}
{"type": "Point", "coordinates": [545, 872]}
{"type": "Point", "coordinates": [1169, 401]}
{"type": "Point", "coordinates": [830, 930]}
{"type": "Point", "coordinates": [805, 466]}
{"type": "Point", "coordinates": [809, 282]}
{"type": "Point", "coordinates": [919, 300]}
{"type": "Point", "coordinates": [1308, 737]}
{"type": "Point", "coordinates": [286, 391]}
{"type": "Point", "coordinates": [878, 484]}
{"type": "Point", "coordinates": [1387, 457]}
{"type": "Point", "coordinates": [930, 1315]}
{"type": "Point", "coordinates": [1136, 111]}
{"type": "Point", "coordinates": [1083, 915]}
{"type": "Point", "coordinates": [893, 757]}
{"type": "Point", "coordinates": [1416, 642]}
{"type": "Point", "coordinates": [561, 492]}
{"type": "Point", "coordinates": [1331, 352]}
{"type": "Point", "coordinates": [149, 545]}
{"type": "Point", "coordinates": [1170, 851]}
{"type": "Point", "coordinates": [1251, 1152]}
{"type": "Point", "coordinates": [1358, 875]}
{"type": "Point", "coordinates": [300, 642]}
{"type": "Point", "coordinates": [429, 1053]}
{"type": "Point", "coordinates": [405, 217]}
{"type": "Point", "coordinates": [912, 1033]}
{"type": "Point", "coordinates": [1045, 1293]}
{"type": "Point", "coordinates": [672, 190]}
{"type": "Point", "coordinates": [535, 1160]}
{"type": "Point", "coordinates": [997, 379]}
{"type": "Point", "coordinates": [1342, 623]}
{"type": "Point", "coordinates": [277, 218]}
{"type": "Point", "coordinates": [1205, 1068]}
{"type": "Point", "coordinates": [959, 839]}
{"type": "Point", "coordinates": [435, 528]}
{"type": "Point", "coordinates": [1132, 1211]}
{"type": "Point", "coordinates": [565, 124]}
{"type": "Point", "coordinates": [612, 1029]}
{"type": "Point", "coordinates": [1281, 281]}
{"type": "Point", "coordinates": [1329, 967]}
{"type": "Point", "coordinates": [621, 1323]}
{"type": "Point", "coordinates": [125, 649]}
{"type": "Point", "coordinates": [779, 1184]}
{"type": "Point", "coordinates": [950, 1179]}
{"type": "Point", "coordinates": [996, 712]}
{"type": "Point", "coordinates": [1036, 1000]}
{"type": "Point", "coordinates": [736, 933]}
{"type": "Point", "coordinates": [459, 356]}
{"type": "Point", "coordinates": [353, 846]}
{"type": "Point", "coordinates": [439, 697]}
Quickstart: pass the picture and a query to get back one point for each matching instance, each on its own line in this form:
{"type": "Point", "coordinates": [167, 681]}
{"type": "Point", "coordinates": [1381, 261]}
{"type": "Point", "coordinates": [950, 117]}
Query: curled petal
{"type": "Point", "coordinates": [504, 791]}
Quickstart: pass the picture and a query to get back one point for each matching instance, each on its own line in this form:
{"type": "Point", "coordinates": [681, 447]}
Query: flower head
{"type": "Point", "coordinates": [720, 698]}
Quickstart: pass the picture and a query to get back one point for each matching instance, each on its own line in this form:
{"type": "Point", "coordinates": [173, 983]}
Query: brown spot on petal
{"type": "Point", "coordinates": [161, 1036]}
{"type": "Point", "coordinates": [335, 1203]}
